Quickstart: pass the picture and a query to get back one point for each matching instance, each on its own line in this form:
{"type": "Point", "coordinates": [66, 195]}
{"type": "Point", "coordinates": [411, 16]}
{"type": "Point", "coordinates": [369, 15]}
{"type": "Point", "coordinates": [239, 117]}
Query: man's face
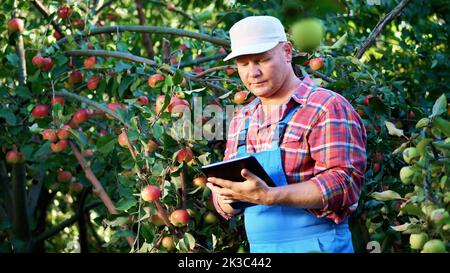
{"type": "Point", "coordinates": [265, 73]}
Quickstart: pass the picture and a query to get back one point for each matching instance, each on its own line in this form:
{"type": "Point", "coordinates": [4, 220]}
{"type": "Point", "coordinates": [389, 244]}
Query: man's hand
{"type": "Point", "coordinates": [253, 189]}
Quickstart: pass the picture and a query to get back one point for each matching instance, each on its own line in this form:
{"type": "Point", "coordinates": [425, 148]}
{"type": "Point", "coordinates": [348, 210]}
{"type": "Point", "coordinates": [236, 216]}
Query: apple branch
{"type": "Point", "coordinates": [38, 5]}
{"type": "Point", "coordinates": [150, 29]}
{"type": "Point", "coordinates": [213, 69]}
{"type": "Point", "coordinates": [203, 60]}
{"type": "Point", "coordinates": [56, 229]}
{"type": "Point", "coordinates": [379, 27]}
{"type": "Point", "coordinates": [320, 75]}
{"type": "Point", "coordinates": [104, 6]}
{"type": "Point", "coordinates": [183, 190]}
{"type": "Point", "coordinates": [98, 188]}
{"type": "Point", "coordinates": [131, 57]}
{"type": "Point", "coordinates": [146, 39]}
{"type": "Point", "coordinates": [65, 93]}
{"type": "Point", "coordinates": [164, 216]}
{"type": "Point", "coordinates": [180, 11]}
{"type": "Point", "coordinates": [21, 225]}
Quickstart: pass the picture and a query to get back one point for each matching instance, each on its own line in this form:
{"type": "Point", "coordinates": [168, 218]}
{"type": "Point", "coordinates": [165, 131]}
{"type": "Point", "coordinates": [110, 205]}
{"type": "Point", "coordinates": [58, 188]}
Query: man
{"type": "Point", "coordinates": [309, 140]}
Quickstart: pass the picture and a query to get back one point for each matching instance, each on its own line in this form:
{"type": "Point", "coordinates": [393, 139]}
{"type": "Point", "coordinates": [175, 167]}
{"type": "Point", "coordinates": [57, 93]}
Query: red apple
{"type": "Point", "coordinates": [75, 77]}
{"type": "Point", "coordinates": [64, 12]}
{"type": "Point", "coordinates": [142, 100]}
{"type": "Point", "coordinates": [179, 218]}
{"type": "Point", "coordinates": [376, 167]}
{"type": "Point", "coordinates": [183, 48]}
{"type": "Point", "coordinates": [230, 71]}
{"type": "Point", "coordinates": [198, 69]}
{"type": "Point", "coordinates": [48, 64]}
{"type": "Point", "coordinates": [177, 104]}
{"type": "Point", "coordinates": [90, 62]}
{"type": "Point", "coordinates": [240, 97]}
{"type": "Point", "coordinates": [38, 61]}
{"type": "Point", "coordinates": [15, 24]}
{"type": "Point", "coordinates": [64, 176]}
{"type": "Point", "coordinates": [64, 132]}
{"type": "Point", "coordinates": [168, 243]}
{"type": "Point", "coordinates": [150, 193]}
{"type": "Point", "coordinates": [173, 60]}
{"type": "Point", "coordinates": [154, 79]}
{"type": "Point", "coordinates": [80, 116]}
{"type": "Point", "coordinates": [78, 23]}
{"type": "Point", "coordinates": [122, 139]}
{"type": "Point", "coordinates": [76, 187]}
{"type": "Point", "coordinates": [57, 35]}
{"type": "Point", "coordinates": [59, 146]}
{"type": "Point", "coordinates": [378, 156]}
{"type": "Point", "coordinates": [112, 16]}
{"type": "Point", "coordinates": [93, 82]}
{"type": "Point", "coordinates": [40, 111]}
{"type": "Point", "coordinates": [184, 154]}
{"type": "Point", "coordinates": [114, 106]}
{"type": "Point", "coordinates": [159, 103]}
{"type": "Point", "coordinates": [170, 6]}
{"type": "Point", "coordinates": [14, 157]}
{"type": "Point", "coordinates": [200, 181]}
{"type": "Point", "coordinates": [49, 134]}
{"type": "Point", "coordinates": [157, 220]}
{"type": "Point", "coordinates": [152, 145]}
{"type": "Point", "coordinates": [221, 50]}
{"type": "Point", "coordinates": [316, 63]}
{"type": "Point", "coordinates": [57, 99]}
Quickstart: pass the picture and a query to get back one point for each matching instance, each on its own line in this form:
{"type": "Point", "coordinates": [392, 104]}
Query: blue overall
{"type": "Point", "coordinates": [280, 228]}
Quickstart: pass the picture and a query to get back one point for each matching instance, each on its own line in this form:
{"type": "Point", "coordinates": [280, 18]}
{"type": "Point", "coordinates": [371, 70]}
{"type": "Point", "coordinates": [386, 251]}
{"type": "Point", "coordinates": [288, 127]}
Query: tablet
{"type": "Point", "coordinates": [231, 170]}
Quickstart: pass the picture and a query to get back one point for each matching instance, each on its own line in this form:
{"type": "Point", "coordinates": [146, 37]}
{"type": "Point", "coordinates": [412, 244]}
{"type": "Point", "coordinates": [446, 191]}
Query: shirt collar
{"type": "Point", "coordinates": [300, 95]}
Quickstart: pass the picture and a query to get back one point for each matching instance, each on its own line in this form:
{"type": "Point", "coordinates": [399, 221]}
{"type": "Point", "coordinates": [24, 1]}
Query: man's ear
{"type": "Point", "coordinates": [287, 49]}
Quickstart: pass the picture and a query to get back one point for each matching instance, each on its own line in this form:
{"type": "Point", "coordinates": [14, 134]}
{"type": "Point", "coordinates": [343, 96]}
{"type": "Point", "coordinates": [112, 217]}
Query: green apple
{"type": "Point", "coordinates": [416, 241]}
{"type": "Point", "coordinates": [307, 34]}
{"type": "Point", "coordinates": [434, 246]}
{"type": "Point", "coordinates": [409, 154]}
{"type": "Point", "coordinates": [406, 175]}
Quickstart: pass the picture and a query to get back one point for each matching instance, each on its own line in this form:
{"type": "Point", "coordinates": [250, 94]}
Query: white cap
{"type": "Point", "coordinates": [255, 34]}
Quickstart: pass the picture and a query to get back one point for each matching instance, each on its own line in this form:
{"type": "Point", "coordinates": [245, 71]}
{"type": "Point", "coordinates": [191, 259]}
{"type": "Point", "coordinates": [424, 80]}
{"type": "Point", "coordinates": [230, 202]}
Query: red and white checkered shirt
{"type": "Point", "coordinates": [324, 142]}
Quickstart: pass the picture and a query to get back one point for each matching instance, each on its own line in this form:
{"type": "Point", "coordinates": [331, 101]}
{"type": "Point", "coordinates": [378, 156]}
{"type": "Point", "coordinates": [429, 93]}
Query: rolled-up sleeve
{"type": "Point", "coordinates": [337, 145]}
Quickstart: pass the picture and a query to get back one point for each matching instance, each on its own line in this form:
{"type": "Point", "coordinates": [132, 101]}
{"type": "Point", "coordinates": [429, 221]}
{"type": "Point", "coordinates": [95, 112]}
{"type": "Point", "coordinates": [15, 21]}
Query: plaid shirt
{"type": "Point", "coordinates": [324, 142]}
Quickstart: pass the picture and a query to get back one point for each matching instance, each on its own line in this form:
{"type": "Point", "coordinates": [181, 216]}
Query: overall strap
{"type": "Point", "coordinates": [282, 124]}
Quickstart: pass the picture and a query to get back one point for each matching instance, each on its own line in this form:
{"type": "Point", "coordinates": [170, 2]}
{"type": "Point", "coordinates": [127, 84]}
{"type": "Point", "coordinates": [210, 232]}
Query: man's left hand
{"type": "Point", "coordinates": [253, 189]}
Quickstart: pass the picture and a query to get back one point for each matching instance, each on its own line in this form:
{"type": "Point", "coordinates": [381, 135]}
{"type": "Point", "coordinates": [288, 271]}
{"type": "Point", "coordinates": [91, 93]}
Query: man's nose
{"type": "Point", "coordinates": [255, 70]}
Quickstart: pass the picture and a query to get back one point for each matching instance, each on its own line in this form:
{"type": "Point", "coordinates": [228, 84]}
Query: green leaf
{"type": "Point", "coordinates": [401, 228]}
{"type": "Point", "coordinates": [124, 84]}
{"type": "Point", "coordinates": [106, 144]}
{"type": "Point", "coordinates": [125, 204]}
{"type": "Point", "coordinates": [393, 130]}
{"type": "Point", "coordinates": [386, 195]}
{"type": "Point", "coordinates": [189, 241]}
{"type": "Point", "coordinates": [440, 106]}
{"type": "Point", "coordinates": [204, 158]}
{"type": "Point", "coordinates": [116, 222]}
{"type": "Point", "coordinates": [122, 47]}
{"type": "Point", "coordinates": [121, 66]}
{"type": "Point", "coordinates": [443, 125]}
{"type": "Point", "coordinates": [8, 116]}
{"type": "Point", "coordinates": [23, 92]}
{"type": "Point", "coordinates": [13, 59]}
{"type": "Point", "coordinates": [177, 77]}
{"type": "Point", "coordinates": [422, 123]}
{"type": "Point", "coordinates": [339, 43]}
